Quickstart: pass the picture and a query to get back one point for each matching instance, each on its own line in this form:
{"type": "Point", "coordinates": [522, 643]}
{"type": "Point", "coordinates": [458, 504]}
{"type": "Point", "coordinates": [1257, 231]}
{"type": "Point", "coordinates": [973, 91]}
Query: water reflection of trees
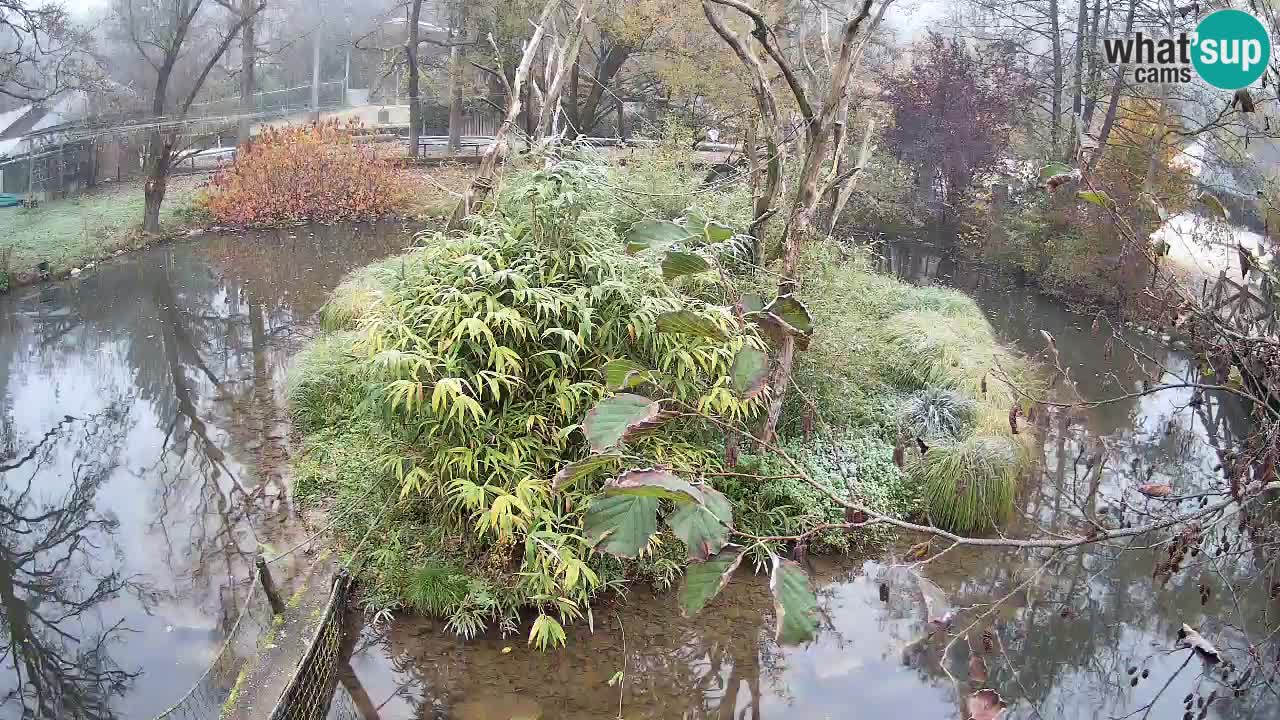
{"type": "Point", "coordinates": [57, 571]}
{"type": "Point", "coordinates": [199, 336]}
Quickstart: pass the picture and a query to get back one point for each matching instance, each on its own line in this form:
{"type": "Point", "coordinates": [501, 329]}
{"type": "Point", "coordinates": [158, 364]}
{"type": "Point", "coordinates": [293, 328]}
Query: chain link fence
{"type": "Point", "coordinates": [310, 692]}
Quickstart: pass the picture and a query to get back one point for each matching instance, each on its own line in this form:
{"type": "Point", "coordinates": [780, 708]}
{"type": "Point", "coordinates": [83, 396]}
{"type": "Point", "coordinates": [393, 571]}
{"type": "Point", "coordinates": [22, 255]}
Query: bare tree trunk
{"type": "Point", "coordinates": [457, 27]}
{"type": "Point", "coordinates": [1113, 104]}
{"type": "Point", "coordinates": [1055, 119]}
{"type": "Point", "coordinates": [159, 158]}
{"type": "Point", "coordinates": [248, 69]}
{"type": "Point", "coordinates": [411, 56]}
{"type": "Point", "coordinates": [315, 74]}
{"type": "Point", "coordinates": [1095, 67]}
{"type": "Point", "coordinates": [483, 182]}
{"type": "Point", "coordinates": [1077, 95]}
{"type": "Point", "coordinates": [567, 58]}
{"type": "Point", "coordinates": [763, 206]}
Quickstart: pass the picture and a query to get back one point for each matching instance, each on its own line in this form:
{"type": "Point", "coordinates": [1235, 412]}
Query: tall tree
{"type": "Point", "coordinates": [815, 179]}
{"type": "Point", "coordinates": [248, 70]}
{"type": "Point", "coordinates": [411, 57]}
{"type": "Point", "coordinates": [160, 31]}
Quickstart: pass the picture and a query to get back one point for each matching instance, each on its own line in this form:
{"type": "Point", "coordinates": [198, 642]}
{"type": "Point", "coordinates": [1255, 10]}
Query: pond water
{"type": "Point", "coordinates": [142, 444]}
{"type": "Point", "coordinates": [142, 450]}
{"type": "Point", "coordinates": [1064, 630]}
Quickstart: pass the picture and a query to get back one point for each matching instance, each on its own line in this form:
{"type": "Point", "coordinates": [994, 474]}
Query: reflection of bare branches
{"type": "Point", "coordinates": [48, 585]}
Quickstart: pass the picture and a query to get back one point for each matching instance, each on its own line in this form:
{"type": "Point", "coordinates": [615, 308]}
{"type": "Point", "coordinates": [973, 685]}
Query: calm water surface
{"type": "Point", "coordinates": [143, 440]}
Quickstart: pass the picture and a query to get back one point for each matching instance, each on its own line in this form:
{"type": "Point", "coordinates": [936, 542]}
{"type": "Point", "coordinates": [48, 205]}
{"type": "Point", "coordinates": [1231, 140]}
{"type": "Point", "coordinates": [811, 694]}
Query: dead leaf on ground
{"type": "Point", "coordinates": [986, 704]}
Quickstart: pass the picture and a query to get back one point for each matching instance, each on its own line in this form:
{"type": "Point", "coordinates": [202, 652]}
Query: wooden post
{"type": "Point", "coordinates": [268, 585]}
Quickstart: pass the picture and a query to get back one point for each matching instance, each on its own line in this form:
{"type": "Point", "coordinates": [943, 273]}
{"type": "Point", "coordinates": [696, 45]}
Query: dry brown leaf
{"type": "Point", "coordinates": [986, 704]}
{"type": "Point", "coordinates": [1156, 490]}
{"type": "Point", "coordinates": [977, 669]}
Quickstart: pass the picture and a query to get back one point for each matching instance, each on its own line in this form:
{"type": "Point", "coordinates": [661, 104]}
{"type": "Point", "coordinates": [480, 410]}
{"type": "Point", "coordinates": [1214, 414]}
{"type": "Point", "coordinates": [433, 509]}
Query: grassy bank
{"type": "Point", "coordinates": [917, 367]}
{"type": "Point", "coordinates": [450, 385]}
{"type": "Point", "coordinates": [71, 232]}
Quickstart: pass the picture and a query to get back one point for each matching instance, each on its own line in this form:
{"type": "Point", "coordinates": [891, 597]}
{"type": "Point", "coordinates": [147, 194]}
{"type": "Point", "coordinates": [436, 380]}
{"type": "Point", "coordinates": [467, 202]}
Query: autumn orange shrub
{"type": "Point", "coordinates": [305, 173]}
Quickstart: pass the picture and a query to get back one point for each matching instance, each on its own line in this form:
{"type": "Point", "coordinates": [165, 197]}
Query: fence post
{"type": "Point", "coordinates": [268, 585]}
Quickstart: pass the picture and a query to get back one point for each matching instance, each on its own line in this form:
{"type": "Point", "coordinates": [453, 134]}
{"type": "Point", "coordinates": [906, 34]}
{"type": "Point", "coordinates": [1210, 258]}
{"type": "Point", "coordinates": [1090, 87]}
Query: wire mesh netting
{"type": "Point", "coordinates": [216, 687]}
{"type": "Point", "coordinates": [310, 692]}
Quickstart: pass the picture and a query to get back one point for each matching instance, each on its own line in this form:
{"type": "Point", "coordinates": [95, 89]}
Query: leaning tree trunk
{"type": "Point", "coordinates": [485, 178]}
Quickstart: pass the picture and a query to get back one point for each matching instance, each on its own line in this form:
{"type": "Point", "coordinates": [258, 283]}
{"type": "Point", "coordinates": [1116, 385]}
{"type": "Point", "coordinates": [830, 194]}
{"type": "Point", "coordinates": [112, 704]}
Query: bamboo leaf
{"type": "Point", "coordinates": [579, 469]}
{"type": "Point", "coordinates": [688, 322]}
{"type": "Point", "coordinates": [703, 527]}
{"type": "Point", "coordinates": [621, 525]}
{"type": "Point", "coordinates": [794, 602]}
{"type": "Point", "coordinates": [655, 235]}
{"type": "Point", "coordinates": [705, 580]}
{"type": "Point", "coordinates": [1215, 205]}
{"type": "Point", "coordinates": [749, 371]}
{"type": "Point", "coordinates": [653, 483]}
{"type": "Point", "coordinates": [676, 264]}
{"type": "Point", "coordinates": [614, 418]}
{"type": "Point", "coordinates": [1097, 197]}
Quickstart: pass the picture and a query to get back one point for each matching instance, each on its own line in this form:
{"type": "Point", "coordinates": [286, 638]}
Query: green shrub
{"type": "Point", "coordinates": [477, 356]}
{"type": "Point", "coordinates": [969, 486]}
{"type": "Point", "coordinates": [896, 361]}
{"type": "Point", "coordinates": [768, 501]}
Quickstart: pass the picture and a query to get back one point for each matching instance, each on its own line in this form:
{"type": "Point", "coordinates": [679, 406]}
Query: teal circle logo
{"type": "Point", "coordinates": [1232, 49]}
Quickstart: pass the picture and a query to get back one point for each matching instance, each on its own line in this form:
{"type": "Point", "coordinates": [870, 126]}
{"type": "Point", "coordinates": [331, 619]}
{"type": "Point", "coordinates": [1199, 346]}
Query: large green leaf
{"type": "Point", "coordinates": [1097, 197]}
{"type": "Point", "coordinates": [676, 263]}
{"type": "Point", "coordinates": [1215, 205]}
{"type": "Point", "coordinates": [615, 418]}
{"type": "Point", "coordinates": [749, 372]}
{"type": "Point", "coordinates": [655, 235]}
{"type": "Point", "coordinates": [751, 302]}
{"type": "Point", "coordinates": [623, 374]}
{"type": "Point", "coordinates": [794, 602]}
{"type": "Point", "coordinates": [688, 322]}
{"type": "Point", "coordinates": [579, 469]}
{"type": "Point", "coordinates": [653, 483]}
{"type": "Point", "coordinates": [694, 219]}
{"type": "Point", "coordinates": [793, 312]}
{"type": "Point", "coordinates": [621, 525]}
{"type": "Point", "coordinates": [1054, 169]}
{"type": "Point", "coordinates": [704, 580]}
{"type": "Point", "coordinates": [704, 527]}
{"type": "Point", "coordinates": [717, 233]}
